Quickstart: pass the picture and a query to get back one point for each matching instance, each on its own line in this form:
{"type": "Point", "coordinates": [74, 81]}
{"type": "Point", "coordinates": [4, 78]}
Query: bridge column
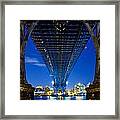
{"type": "Point", "coordinates": [59, 87]}
{"type": "Point", "coordinates": [26, 90]}
{"type": "Point", "coordinates": [93, 91]}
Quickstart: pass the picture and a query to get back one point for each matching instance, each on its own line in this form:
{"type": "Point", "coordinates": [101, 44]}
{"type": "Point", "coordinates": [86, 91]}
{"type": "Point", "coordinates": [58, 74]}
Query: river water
{"type": "Point", "coordinates": [60, 98]}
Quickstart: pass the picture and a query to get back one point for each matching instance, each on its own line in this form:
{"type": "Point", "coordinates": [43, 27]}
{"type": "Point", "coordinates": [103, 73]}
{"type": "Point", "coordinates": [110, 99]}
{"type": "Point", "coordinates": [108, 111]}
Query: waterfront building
{"type": "Point", "coordinates": [79, 89]}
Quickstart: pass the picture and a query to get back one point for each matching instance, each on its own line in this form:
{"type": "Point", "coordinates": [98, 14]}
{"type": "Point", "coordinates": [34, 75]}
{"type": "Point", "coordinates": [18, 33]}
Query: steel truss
{"type": "Point", "coordinates": [60, 43]}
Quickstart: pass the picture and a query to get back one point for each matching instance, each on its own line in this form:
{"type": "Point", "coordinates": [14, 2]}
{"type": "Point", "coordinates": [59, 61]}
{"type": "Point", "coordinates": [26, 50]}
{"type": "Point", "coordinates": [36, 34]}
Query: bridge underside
{"type": "Point", "coordinates": [60, 43]}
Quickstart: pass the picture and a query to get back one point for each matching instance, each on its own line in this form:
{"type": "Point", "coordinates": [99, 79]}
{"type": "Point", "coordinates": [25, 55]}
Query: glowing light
{"type": "Point", "coordinates": [63, 28]}
{"type": "Point", "coordinates": [47, 56]}
{"type": "Point", "coordinates": [52, 82]}
{"type": "Point", "coordinates": [45, 50]}
{"type": "Point", "coordinates": [88, 84]}
{"type": "Point", "coordinates": [51, 75]}
{"type": "Point", "coordinates": [66, 82]}
{"type": "Point", "coordinates": [79, 84]}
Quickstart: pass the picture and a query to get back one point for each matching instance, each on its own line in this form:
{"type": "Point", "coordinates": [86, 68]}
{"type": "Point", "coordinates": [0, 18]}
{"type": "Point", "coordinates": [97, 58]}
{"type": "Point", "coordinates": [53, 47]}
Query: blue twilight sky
{"type": "Point", "coordinates": [38, 74]}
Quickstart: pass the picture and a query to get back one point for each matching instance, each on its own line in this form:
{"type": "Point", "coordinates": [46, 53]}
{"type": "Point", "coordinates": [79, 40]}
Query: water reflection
{"type": "Point", "coordinates": [60, 98]}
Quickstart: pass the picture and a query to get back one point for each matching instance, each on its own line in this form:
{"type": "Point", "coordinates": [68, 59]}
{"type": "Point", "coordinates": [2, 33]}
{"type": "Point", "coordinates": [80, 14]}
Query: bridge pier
{"type": "Point", "coordinates": [58, 89]}
{"type": "Point", "coordinates": [26, 90]}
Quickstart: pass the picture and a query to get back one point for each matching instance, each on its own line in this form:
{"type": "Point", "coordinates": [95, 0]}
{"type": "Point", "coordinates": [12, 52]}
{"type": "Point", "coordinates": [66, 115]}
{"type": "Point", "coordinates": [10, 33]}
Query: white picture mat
{"type": "Point", "coordinates": [104, 13]}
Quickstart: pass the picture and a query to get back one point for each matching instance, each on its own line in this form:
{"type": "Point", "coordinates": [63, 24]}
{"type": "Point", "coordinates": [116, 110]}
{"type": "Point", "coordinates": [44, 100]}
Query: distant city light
{"type": "Point", "coordinates": [88, 84]}
{"type": "Point", "coordinates": [79, 84]}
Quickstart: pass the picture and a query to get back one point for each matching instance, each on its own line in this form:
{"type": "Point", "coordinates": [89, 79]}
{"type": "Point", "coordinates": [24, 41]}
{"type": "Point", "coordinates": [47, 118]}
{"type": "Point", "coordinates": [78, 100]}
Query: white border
{"type": "Point", "coordinates": [104, 13]}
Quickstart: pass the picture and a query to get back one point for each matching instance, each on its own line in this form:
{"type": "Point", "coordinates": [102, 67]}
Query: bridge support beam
{"type": "Point", "coordinates": [26, 90]}
{"type": "Point", "coordinates": [93, 91]}
{"type": "Point", "coordinates": [58, 89]}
